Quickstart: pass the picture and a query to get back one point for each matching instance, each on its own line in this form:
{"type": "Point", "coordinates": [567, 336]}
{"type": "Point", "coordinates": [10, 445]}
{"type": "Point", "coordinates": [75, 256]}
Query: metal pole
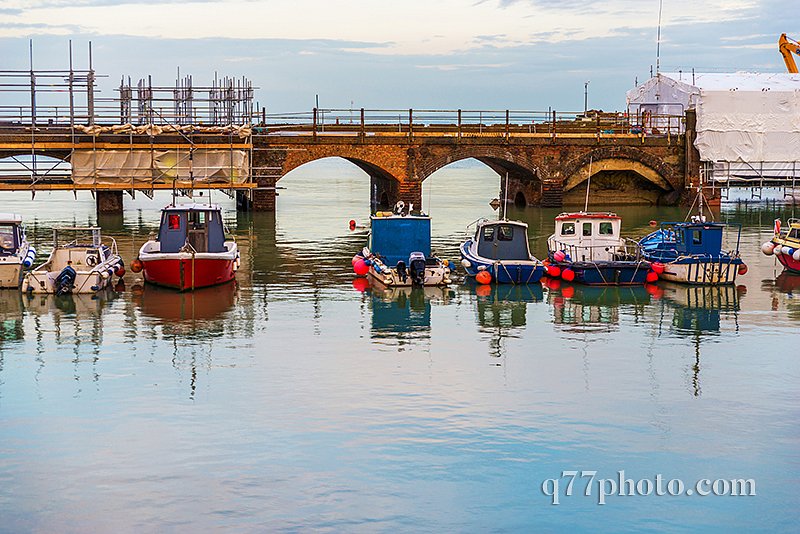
{"type": "Point", "coordinates": [459, 124]}
{"type": "Point", "coordinates": [507, 124]}
{"type": "Point", "coordinates": [90, 87]}
{"type": "Point", "coordinates": [410, 123]}
{"type": "Point", "coordinates": [362, 123]}
{"type": "Point", "coordinates": [314, 124]}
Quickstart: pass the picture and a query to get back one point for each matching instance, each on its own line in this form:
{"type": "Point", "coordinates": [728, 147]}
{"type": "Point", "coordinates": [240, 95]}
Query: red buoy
{"type": "Point", "coordinates": [651, 277]}
{"type": "Point", "coordinates": [553, 271]}
{"type": "Point", "coordinates": [483, 277]}
{"type": "Point", "coordinates": [568, 292]}
{"type": "Point", "coordinates": [568, 275]}
{"type": "Point", "coordinates": [352, 224]}
{"type": "Point", "coordinates": [742, 269]}
{"type": "Point", "coordinates": [360, 268]}
{"type": "Point", "coordinates": [657, 267]}
{"type": "Point", "coordinates": [136, 265]}
{"type": "Point", "coordinates": [559, 256]}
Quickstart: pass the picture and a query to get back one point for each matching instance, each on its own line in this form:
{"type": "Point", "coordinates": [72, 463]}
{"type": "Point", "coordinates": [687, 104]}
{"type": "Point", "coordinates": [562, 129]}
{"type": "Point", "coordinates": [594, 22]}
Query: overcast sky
{"type": "Point", "coordinates": [443, 54]}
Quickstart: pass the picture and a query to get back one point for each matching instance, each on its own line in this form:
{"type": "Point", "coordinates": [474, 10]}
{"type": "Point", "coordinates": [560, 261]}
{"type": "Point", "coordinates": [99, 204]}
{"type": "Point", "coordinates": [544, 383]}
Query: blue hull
{"type": "Point", "coordinates": [504, 271]}
{"type": "Point", "coordinates": [611, 273]}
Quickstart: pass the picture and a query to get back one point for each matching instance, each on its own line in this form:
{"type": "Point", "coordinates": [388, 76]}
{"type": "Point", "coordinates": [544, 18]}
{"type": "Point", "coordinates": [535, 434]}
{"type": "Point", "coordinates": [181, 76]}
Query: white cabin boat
{"type": "Point", "coordinates": [15, 252]}
{"type": "Point", "coordinates": [78, 266]}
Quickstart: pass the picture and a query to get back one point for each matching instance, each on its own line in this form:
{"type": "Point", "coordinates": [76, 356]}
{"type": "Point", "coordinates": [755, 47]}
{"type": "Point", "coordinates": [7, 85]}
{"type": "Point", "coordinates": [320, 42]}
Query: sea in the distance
{"type": "Point", "coordinates": [291, 400]}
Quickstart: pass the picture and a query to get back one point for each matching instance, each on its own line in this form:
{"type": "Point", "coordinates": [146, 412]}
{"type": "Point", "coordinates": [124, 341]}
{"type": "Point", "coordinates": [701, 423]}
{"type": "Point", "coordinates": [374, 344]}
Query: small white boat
{"type": "Point", "coordinates": [399, 252]}
{"type": "Point", "coordinates": [76, 266]}
{"type": "Point", "coordinates": [15, 252]}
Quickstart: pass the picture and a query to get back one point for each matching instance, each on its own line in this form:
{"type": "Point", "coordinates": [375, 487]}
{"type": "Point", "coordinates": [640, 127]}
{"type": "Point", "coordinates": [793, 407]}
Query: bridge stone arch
{"type": "Point", "coordinates": [387, 170]}
{"type": "Point", "coordinates": [525, 174]}
{"type": "Point", "coordinates": [657, 178]}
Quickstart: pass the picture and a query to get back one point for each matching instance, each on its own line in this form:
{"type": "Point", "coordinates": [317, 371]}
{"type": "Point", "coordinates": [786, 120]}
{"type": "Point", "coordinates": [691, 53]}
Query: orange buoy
{"type": "Point", "coordinates": [136, 265]}
{"type": "Point", "coordinates": [568, 275]}
{"type": "Point", "coordinates": [554, 271]}
{"type": "Point", "coordinates": [651, 277]}
{"type": "Point", "coordinates": [483, 277]}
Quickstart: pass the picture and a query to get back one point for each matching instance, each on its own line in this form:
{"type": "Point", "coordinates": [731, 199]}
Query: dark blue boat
{"type": "Point", "coordinates": [501, 249]}
{"type": "Point", "coordinates": [691, 252]}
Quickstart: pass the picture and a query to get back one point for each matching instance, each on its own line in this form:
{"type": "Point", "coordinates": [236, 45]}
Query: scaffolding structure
{"type": "Point", "coordinates": [156, 135]}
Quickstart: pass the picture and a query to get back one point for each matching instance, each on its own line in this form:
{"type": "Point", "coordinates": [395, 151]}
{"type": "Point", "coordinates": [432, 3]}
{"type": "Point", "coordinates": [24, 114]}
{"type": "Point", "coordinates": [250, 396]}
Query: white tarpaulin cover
{"type": "Point", "coordinates": [143, 166]}
{"type": "Point", "coordinates": [741, 117]}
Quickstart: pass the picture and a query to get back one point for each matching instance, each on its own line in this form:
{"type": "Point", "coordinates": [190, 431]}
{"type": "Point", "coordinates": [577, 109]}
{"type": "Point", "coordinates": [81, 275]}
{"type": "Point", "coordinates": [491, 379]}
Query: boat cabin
{"type": "Point", "coordinates": [587, 236]}
{"type": "Point", "coordinates": [394, 238]}
{"type": "Point", "coordinates": [698, 238]}
{"type": "Point", "coordinates": [503, 240]}
{"type": "Point", "coordinates": [10, 234]}
{"type": "Point", "coordinates": [198, 225]}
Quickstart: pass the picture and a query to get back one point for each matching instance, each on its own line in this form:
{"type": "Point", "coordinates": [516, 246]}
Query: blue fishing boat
{"type": "Point", "coordinates": [692, 252]}
{"type": "Point", "coordinates": [399, 252]}
{"type": "Point", "coordinates": [500, 248]}
{"type": "Point", "coordinates": [587, 248]}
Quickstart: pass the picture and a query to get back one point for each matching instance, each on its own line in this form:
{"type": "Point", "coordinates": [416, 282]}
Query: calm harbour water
{"type": "Point", "coordinates": [292, 400]}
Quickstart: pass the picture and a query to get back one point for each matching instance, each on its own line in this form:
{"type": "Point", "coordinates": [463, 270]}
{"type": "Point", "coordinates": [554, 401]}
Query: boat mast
{"type": "Point", "coordinates": [588, 184]}
{"type": "Point", "coordinates": [505, 199]}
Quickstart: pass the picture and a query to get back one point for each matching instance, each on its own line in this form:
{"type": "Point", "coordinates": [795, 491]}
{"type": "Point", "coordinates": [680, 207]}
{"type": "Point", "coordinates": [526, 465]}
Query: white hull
{"type": "Point", "coordinates": [700, 273]}
{"type": "Point", "coordinates": [436, 276]}
{"type": "Point", "coordinates": [10, 272]}
{"type": "Point", "coordinates": [90, 276]}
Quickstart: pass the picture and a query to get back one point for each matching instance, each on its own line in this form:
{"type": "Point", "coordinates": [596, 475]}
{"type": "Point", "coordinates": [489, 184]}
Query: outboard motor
{"type": "Point", "coordinates": [65, 281]}
{"type": "Point", "coordinates": [402, 272]}
{"type": "Point", "coordinates": [416, 266]}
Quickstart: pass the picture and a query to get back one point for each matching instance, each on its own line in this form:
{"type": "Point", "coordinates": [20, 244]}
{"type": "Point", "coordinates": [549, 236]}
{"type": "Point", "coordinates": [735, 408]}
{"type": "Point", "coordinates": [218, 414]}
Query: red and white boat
{"type": "Point", "coordinates": [190, 251]}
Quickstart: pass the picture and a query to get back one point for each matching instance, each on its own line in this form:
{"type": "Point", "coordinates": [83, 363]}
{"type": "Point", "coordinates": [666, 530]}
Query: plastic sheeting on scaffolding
{"type": "Point", "coordinates": [159, 166]}
{"type": "Point", "coordinates": [741, 117]}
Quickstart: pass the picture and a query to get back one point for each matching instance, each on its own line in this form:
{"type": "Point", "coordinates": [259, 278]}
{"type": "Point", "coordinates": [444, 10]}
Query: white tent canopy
{"type": "Point", "coordinates": [742, 117]}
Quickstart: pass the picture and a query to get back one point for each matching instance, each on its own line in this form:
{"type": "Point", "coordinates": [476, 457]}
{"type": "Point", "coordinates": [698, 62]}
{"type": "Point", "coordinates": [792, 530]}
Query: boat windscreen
{"type": "Point", "coordinates": [503, 242]}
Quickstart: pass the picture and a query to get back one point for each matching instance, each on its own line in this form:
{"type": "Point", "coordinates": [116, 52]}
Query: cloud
{"type": "Point", "coordinates": [412, 27]}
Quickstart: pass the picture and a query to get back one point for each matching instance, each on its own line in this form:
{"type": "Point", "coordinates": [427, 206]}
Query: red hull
{"type": "Point", "coordinates": [188, 274]}
{"type": "Point", "coordinates": [792, 265]}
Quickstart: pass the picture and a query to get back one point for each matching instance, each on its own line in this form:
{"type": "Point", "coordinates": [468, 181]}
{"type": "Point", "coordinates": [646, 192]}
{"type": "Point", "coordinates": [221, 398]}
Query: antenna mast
{"type": "Point", "coordinates": [658, 39]}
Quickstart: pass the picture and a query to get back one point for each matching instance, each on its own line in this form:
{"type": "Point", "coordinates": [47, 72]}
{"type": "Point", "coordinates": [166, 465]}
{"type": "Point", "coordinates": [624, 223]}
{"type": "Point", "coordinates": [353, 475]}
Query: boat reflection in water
{"type": "Point", "coordinates": [698, 312]}
{"type": "Point", "coordinates": [199, 312]}
{"type": "Point", "coordinates": [404, 313]}
{"type": "Point", "coordinates": [580, 308]}
{"type": "Point", "coordinates": [11, 320]}
{"type": "Point", "coordinates": [76, 305]}
{"type": "Point", "coordinates": [785, 288]}
{"type": "Point", "coordinates": [502, 310]}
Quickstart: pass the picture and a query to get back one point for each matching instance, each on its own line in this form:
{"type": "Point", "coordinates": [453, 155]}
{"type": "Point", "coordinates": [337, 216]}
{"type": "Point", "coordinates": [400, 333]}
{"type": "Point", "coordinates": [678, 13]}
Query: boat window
{"type": "Point", "coordinates": [198, 219]}
{"type": "Point", "coordinates": [587, 228]}
{"type": "Point", "coordinates": [488, 233]}
{"type": "Point", "coordinates": [606, 228]}
{"type": "Point", "coordinates": [174, 221]}
{"type": "Point", "coordinates": [697, 237]}
{"type": "Point", "coordinates": [568, 228]}
{"type": "Point", "coordinates": [7, 237]}
{"type": "Point", "coordinates": [505, 233]}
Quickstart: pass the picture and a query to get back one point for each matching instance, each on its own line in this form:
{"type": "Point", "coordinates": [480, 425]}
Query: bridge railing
{"type": "Point", "coordinates": [460, 123]}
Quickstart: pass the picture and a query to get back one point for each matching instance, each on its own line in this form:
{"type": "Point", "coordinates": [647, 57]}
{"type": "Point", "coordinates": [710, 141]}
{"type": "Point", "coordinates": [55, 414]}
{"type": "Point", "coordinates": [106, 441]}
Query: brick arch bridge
{"type": "Point", "coordinates": [542, 169]}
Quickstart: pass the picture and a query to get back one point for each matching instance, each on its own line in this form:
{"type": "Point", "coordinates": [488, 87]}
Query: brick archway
{"type": "Point", "coordinates": [645, 165]}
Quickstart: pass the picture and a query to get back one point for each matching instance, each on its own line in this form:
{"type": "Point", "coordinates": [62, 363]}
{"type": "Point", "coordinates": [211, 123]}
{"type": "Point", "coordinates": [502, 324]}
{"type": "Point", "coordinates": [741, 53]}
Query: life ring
{"type": "Point", "coordinates": [91, 260]}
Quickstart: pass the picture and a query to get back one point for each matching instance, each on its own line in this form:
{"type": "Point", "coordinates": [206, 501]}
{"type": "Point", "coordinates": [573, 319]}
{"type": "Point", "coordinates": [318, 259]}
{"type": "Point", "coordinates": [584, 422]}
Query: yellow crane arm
{"type": "Point", "coordinates": [788, 46]}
